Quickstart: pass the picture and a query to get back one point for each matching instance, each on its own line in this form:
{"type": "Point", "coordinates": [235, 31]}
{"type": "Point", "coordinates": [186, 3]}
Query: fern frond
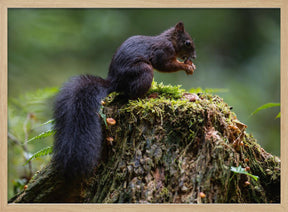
{"type": "Point", "coordinates": [43, 152]}
{"type": "Point", "coordinates": [42, 135]}
{"type": "Point", "coordinates": [51, 121]}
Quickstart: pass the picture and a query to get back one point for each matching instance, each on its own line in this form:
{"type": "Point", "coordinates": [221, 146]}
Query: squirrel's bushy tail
{"type": "Point", "coordinates": [78, 137]}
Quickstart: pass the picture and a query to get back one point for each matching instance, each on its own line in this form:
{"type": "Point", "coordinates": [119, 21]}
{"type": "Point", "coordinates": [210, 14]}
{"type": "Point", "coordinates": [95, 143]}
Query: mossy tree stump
{"type": "Point", "coordinates": [170, 147]}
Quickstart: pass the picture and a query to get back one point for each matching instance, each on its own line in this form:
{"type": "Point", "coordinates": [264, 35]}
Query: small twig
{"type": "Point", "coordinates": [25, 127]}
{"type": "Point", "coordinates": [28, 118]}
{"type": "Point", "coordinates": [24, 147]}
{"type": "Point", "coordinates": [14, 139]}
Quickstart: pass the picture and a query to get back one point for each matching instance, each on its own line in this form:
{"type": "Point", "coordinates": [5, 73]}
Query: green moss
{"type": "Point", "coordinates": [182, 143]}
{"type": "Point", "coordinates": [166, 90]}
{"type": "Point", "coordinates": [168, 147]}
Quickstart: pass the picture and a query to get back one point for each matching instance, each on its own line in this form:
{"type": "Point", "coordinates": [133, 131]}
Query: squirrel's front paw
{"type": "Point", "coordinates": [190, 69]}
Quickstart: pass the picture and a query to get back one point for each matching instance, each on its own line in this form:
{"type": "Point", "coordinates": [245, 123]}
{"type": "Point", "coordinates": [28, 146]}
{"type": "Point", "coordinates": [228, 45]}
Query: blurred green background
{"type": "Point", "coordinates": [237, 50]}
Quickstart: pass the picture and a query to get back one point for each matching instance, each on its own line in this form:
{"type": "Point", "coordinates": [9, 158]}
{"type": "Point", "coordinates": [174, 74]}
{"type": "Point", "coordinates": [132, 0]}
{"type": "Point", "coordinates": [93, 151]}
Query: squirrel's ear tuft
{"type": "Point", "coordinates": [179, 27]}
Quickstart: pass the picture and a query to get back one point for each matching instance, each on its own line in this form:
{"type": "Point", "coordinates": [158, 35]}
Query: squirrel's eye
{"type": "Point", "coordinates": [188, 43]}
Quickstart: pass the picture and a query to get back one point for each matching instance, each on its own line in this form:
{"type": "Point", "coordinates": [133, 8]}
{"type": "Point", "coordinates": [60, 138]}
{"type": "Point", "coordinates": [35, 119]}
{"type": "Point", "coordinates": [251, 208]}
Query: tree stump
{"type": "Point", "coordinates": [170, 147]}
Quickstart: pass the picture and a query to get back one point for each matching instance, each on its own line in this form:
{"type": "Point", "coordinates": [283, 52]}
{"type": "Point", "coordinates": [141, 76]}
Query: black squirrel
{"type": "Point", "coordinates": [78, 137]}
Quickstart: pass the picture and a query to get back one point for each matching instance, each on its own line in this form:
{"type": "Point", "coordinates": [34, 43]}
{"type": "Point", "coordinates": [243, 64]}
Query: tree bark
{"type": "Point", "coordinates": [168, 148]}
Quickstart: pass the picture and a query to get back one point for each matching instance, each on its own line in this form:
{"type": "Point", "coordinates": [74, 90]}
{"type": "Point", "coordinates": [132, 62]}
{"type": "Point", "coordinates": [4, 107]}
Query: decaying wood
{"type": "Point", "coordinates": [169, 149]}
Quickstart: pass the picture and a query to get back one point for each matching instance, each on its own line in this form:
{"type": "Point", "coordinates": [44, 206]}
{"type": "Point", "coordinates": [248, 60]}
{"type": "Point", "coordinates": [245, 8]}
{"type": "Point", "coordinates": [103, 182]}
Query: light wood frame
{"type": "Point", "coordinates": [5, 4]}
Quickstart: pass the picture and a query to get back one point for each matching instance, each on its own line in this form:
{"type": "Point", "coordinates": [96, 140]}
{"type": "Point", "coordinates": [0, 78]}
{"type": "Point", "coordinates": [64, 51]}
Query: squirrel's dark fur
{"type": "Point", "coordinates": [78, 138]}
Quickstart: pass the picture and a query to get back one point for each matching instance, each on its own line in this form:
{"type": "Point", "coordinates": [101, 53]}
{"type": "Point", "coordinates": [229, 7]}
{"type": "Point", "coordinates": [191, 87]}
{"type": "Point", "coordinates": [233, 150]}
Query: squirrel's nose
{"type": "Point", "coordinates": [194, 55]}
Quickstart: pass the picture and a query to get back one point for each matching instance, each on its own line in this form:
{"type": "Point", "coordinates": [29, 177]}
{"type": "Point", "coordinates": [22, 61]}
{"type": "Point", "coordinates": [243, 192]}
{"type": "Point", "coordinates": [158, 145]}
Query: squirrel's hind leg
{"type": "Point", "coordinates": [140, 81]}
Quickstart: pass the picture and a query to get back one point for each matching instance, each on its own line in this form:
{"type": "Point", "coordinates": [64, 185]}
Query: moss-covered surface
{"type": "Point", "coordinates": [169, 147]}
{"type": "Point", "coordinates": [172, 145]}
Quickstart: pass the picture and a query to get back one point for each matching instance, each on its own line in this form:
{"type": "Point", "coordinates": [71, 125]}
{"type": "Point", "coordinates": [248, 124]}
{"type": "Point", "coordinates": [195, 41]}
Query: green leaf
{"type": "Point", "coordinates": [42, 135]}
{"type": "Point", "coordinates": [240, 170]}
{"type": "Point", "coordinates": [278, 116]}
{"type": "Point", "coordinates": [51, 121]}
{"type": "Point", "coordinates": [265, 106]}
{"type": "Point", "coordinates": [43, 152]}
{"type": "Point", "coordinates": [103, 115]}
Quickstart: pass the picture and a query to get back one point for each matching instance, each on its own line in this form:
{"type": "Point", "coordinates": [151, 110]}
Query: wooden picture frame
{"type": "Point", "coordinates": [6, 4]}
